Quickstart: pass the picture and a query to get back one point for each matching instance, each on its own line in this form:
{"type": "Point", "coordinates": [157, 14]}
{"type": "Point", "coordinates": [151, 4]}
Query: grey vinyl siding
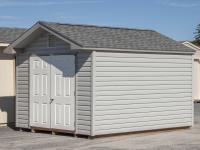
{"type": "Point", "coordinates": [22, 91]}
{"type": "Point", "coordinates": [40, 45]}
{"type": "Point", "coordinates": [43, 42]}
{"type": "Point", "coordinates": [83, 96]}
{"type": "Point", "coordinates": [83, 82]}
{"type": "Point", "coordinates": [137, 92]}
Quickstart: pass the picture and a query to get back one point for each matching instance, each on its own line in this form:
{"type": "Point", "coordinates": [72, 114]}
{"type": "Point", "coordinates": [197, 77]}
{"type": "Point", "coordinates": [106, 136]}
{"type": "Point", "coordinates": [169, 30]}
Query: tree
{"type": "Point", "coordinates": [197, 35]}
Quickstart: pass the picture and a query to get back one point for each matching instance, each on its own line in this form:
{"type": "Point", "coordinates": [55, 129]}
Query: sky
{"type": "Point", "coordinates": [174, 18]}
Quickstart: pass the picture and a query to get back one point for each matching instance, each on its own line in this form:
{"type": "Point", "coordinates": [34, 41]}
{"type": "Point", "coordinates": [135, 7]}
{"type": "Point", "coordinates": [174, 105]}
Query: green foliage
{"type": "Point", "coordinates": [197, 34]}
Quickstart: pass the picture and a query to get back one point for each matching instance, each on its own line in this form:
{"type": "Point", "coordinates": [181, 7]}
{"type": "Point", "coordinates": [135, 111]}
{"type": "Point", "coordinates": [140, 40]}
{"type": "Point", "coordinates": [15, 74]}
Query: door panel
{"type": "Point", "coordinates": [52, 99]}
{"type": "Point", "coordinates": [40, 91]}
{"type": "Point", "coordinates": [62, 92]}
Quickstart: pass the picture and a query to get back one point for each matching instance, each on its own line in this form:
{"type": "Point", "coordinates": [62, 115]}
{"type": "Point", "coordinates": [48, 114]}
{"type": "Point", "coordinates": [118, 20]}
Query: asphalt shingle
{"type": "Point", "coordinates": [90, 36]}
{"type": "Point", "coordinates": [8, 35]}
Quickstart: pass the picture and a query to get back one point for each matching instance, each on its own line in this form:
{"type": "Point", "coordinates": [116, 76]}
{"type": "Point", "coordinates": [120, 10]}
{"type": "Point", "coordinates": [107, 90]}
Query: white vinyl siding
{"type": "Point", "coordinates": [136, 92]}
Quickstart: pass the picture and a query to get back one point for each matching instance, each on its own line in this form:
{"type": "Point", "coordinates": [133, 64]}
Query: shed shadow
{"type": "Point", "coordinates": [7, 109]}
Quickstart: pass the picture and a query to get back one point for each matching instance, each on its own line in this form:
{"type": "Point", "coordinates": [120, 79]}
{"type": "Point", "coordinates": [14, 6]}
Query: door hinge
{"type": "Point", "coordinates": [74, 93]}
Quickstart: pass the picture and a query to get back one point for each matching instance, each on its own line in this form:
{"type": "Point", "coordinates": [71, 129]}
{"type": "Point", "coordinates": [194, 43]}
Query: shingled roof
{"type": "Point", "coordinates": [8, 35]}
{"type": "Point", "coordinates": [91, 36]}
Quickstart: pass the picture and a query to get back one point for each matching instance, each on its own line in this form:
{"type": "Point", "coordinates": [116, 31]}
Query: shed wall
{"type": "Point", "coordinates": [83, 82]}
{"type": "Point", "coordinates": [136, 92]}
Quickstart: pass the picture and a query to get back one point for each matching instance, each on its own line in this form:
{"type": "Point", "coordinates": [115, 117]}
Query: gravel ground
{"type": "Point", "coordinates": [181, 139]}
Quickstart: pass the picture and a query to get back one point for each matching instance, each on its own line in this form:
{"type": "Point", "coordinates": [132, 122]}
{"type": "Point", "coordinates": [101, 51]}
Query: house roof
{"type": "Point", "coordinates": [191, 45]}
{"type": "Point", "coordinates": [8, 35]}
{"type": "Point", "coordinates": [91, 36]}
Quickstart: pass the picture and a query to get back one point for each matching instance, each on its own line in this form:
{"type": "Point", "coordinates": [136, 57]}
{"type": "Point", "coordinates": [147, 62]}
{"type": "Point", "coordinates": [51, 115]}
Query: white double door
{"type": "Point", "coordinates": [52, 87]}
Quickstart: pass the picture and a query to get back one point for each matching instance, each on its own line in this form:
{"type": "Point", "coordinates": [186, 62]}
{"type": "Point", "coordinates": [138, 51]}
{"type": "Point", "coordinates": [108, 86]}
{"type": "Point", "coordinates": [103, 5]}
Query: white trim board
{"type": "Point", "coordinates": [4, 44]}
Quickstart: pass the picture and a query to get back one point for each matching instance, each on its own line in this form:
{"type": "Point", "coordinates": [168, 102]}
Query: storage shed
{"type": "Point", "coordinates": [93, 80]}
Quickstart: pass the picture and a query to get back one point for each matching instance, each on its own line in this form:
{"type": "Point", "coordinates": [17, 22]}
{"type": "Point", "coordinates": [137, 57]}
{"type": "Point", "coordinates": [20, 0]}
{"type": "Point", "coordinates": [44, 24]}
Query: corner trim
{"type": "Point", "coordinates": [192, 94]}
{"type": "Point", "coordinates": [93, 77]}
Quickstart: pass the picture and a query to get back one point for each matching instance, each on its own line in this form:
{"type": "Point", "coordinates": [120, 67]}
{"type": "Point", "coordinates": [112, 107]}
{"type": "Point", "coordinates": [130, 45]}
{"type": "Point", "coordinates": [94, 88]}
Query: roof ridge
{"type": "Point", "coordinates": [97, 26]}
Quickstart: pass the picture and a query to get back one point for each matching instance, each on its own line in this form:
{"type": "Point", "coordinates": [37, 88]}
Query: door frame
{"type": "Point", "coordinates": [75, 96]}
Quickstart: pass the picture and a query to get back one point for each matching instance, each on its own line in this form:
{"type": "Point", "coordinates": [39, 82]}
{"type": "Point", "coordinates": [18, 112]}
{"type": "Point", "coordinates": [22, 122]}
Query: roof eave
{"type": "Point", "coordinates": [191, 45]}
{"type": "Point", "coordinates": [134, 50]}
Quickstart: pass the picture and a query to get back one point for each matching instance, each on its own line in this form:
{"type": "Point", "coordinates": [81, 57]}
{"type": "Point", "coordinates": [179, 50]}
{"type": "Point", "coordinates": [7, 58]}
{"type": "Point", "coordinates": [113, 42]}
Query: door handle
{"type": "Point", "coordinates": [51, 100]}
